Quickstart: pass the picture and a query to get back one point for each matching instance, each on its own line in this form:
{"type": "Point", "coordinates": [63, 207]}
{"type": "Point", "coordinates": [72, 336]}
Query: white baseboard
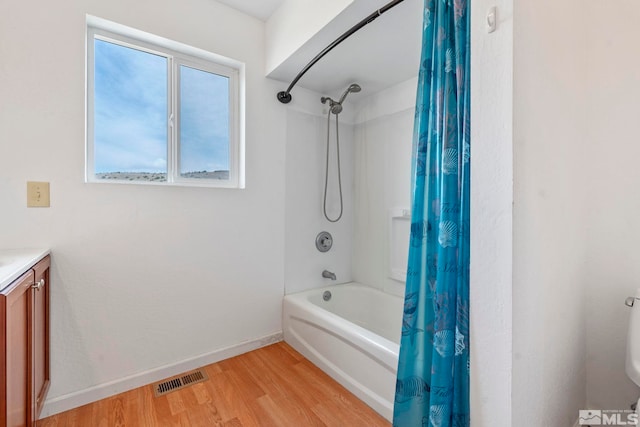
{"type": "Point", "coordinates": [92, 394]}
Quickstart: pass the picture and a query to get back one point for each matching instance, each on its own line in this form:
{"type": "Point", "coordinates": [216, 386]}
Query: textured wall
{"type": "Point", "coordinates": [613, 83]}
{"type": "Point", "coordinates": [143, 276]}
{"type": "Point", "coordinates": [550, 218]}
{"type": "Point", "coordinates": [491, 215]}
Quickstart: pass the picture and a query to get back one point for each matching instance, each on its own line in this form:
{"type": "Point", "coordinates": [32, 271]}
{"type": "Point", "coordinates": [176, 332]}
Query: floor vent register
{"type": "Point", "coordinates": [179, 382]}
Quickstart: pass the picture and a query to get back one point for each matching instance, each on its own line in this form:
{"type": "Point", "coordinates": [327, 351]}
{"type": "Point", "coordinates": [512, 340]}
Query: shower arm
{"type": "Point", "coordinates": [285, 95]}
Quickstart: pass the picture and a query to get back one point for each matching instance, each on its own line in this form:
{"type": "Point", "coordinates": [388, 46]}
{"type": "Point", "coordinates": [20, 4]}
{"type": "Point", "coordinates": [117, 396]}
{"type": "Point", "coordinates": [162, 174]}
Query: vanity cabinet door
{"type": "Point", "coordinates": [16, 303]}
{"type": "Point", "coordinates": [40, 318]}
{"type": "Point", "coordinates": [24, 347]}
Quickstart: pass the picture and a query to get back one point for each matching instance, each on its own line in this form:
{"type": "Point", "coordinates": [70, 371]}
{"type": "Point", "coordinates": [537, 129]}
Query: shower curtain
{"type": "Point", "coordinates": [432, 387]}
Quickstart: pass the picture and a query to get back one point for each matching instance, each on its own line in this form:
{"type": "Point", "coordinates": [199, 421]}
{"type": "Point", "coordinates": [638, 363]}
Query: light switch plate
{"type": "Point", "coordinates": [38, 194]}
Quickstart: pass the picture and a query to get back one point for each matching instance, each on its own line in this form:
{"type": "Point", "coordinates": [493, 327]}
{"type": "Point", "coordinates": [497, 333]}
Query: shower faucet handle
{"type": "Point", "coordinates": [324, 241]}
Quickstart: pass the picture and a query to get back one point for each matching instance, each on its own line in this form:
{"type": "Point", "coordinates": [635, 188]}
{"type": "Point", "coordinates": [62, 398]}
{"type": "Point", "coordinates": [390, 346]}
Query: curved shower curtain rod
{"type": "Point", "coordinates": [285, 95]}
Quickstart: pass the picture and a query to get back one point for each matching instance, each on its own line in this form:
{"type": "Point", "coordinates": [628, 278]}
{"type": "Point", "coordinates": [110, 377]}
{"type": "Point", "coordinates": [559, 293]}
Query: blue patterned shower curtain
{"type": "Point", "coordinates": [432, 388]}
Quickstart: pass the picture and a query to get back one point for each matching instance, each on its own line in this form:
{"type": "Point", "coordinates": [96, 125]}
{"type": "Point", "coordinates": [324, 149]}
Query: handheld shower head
{"type": "Point", "coordinates": [336, 106]}
{"type": "Point", "coordinates": [355, 88]}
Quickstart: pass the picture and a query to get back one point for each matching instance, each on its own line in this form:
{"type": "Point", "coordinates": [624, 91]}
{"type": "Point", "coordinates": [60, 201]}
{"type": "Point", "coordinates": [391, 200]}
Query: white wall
{"type": "Point", "coordinates": [383, 139]}
{"type": "Point", "coordinates": [613, 207]}
{"type": "Point", "coordinates": [143, 277]}
{"type": "Point", "coordinates": [306, 124]}
{"type": "Point", "coordinates": [574, 256]}
{"type": "Point", "coordinates": [491, 216]}
{"type": "Point", "coordinates": [550, 218]}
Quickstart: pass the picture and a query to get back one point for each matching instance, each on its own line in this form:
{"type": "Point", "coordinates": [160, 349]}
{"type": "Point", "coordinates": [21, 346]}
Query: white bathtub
{"type": "Point", "coordinates": [354, 337]}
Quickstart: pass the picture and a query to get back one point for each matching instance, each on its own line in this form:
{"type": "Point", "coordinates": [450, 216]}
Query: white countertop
{"type": "Point", "coordinates": [14, 262]}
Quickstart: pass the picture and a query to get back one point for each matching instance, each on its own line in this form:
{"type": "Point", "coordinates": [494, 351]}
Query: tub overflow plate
{"type": "Point", "coordinates": [324, 241]}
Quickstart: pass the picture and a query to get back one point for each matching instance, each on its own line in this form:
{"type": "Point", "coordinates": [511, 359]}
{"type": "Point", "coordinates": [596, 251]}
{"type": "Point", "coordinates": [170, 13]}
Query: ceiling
{"type": "Point", "coordinates": [381, 54]}
{"type": "Point", "coordinates": [261, 9]}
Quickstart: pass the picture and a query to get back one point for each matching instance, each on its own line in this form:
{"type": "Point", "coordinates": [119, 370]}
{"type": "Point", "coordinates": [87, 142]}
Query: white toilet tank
{"type": "Point", "coordinates": [632, 365]}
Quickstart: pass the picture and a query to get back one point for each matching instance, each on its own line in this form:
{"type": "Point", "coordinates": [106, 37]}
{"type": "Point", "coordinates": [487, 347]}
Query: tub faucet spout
{"type": "Point", "coordinates": [328, 275]}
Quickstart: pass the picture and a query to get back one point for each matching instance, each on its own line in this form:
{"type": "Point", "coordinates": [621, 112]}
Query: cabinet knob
{"type": "Point", "coordinates": [38, 285]}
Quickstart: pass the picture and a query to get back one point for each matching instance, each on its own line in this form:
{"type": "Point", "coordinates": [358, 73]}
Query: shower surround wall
{"type": "Point", "coordinates": [306, 133]}
{"type": "Point", "coordinates": [376, 165]}
{"type": "Point", "coordinates": [383, 140]}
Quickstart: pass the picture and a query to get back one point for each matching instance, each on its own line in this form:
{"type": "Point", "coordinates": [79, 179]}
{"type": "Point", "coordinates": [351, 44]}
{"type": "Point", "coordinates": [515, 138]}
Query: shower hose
{"type": "Point", "coordinates": [326, 170]}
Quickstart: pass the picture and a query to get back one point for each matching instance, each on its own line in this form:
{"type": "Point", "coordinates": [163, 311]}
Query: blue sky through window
{"type": "Point", "coordinates": [204, 121]}
{"type": "Point", "coordinates": [130, 114]}
{"type": "Point", "coordinates": [130, 101]}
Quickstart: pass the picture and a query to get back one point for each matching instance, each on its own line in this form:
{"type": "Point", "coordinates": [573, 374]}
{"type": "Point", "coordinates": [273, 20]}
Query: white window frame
{"type": "Point", "coordinates": [177, 54]}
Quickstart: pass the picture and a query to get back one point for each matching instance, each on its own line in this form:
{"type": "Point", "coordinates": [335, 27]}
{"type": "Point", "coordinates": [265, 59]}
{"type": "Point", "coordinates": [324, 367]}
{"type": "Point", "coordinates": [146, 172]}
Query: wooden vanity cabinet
{"type": "Point", "coordinates": [24, 346]}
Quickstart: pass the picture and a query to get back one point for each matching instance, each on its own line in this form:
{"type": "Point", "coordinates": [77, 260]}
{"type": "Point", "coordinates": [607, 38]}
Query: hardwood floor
{"type": "Point", "coordinates": [272, 386]}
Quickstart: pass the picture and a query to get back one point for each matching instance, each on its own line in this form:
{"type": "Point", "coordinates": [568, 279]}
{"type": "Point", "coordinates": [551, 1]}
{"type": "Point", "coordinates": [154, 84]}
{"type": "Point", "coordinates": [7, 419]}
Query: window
{"type": "Point", "coordinates": [160, 112]}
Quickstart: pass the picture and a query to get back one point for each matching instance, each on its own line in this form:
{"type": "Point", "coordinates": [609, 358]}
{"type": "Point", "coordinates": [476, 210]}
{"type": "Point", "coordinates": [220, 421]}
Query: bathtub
{"type": "Point", "coordinates": [354, 337]}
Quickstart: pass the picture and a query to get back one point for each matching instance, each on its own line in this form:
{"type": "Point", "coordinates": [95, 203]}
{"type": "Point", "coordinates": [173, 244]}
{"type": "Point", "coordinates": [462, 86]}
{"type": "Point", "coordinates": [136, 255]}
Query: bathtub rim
{"type": "Point", "coordinates": [380, 343]}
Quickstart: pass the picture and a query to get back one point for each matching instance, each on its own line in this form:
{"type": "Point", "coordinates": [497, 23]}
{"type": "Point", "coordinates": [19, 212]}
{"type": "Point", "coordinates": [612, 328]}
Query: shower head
{"type": "Point", "coordinates": [336, 106]}
{"type": "Point", "coordinates": [352, 88]}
